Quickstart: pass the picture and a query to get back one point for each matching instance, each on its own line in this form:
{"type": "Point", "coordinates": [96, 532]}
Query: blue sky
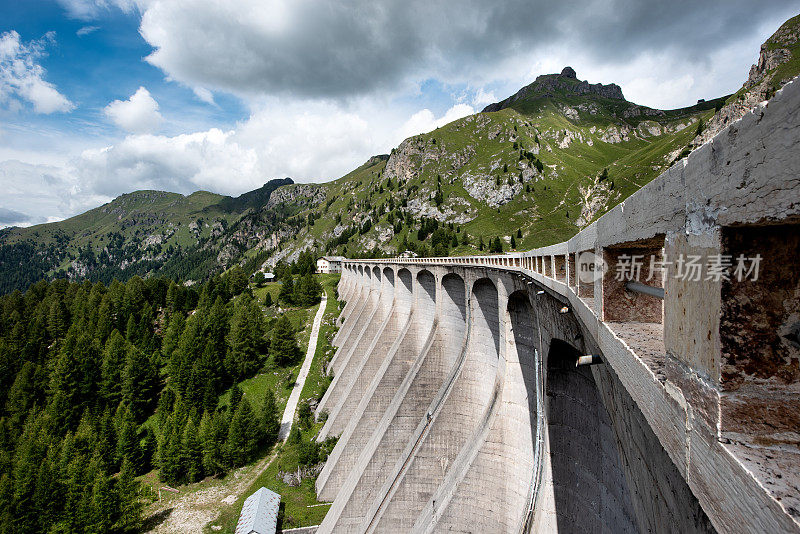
{"type": "Point", "coordinates": [102, 97]}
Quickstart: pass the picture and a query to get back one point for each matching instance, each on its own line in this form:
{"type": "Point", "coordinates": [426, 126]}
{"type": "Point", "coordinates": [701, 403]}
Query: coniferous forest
{"type": "Point", "coordinates": [101, 384]}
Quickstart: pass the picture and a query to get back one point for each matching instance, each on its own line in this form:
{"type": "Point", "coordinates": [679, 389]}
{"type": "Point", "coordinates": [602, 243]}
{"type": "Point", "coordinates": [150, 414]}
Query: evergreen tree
{"type": "Point", "coordinates": [513, 243]}
{"type": "Point", "coordinates": [287, 290]}
{"type": "Point", "coordinates": [283, 345]}
{"type": "Point", "coordinates": [128, 447]}
{"type": "Point", "coordinates": [114, 358]}
{"type": "Point", "coordinates": [236, 397]}
{"type": "Point", "coordinates": [307, 291]}
{"type": "Point", "coordinates": [170, 453]}
{"type": "Point", "coordinates": [130, 510]}
{"type": "Point", "coordinates": [245, 341]}
{"type": "Point", "coordinates": [236, 281]}
{"type": "Point", "coordinates": [105, 504]}
{"type": "Point", "coordinates": [242, 440]}
{"type": "Point", "coordinates": [213, 434]}
{"type": "Point", "coordinates": [139, 384]}
{"type": "Point", "coordinates": [268, 300]}
{"type": "Point", "coordinates": [271, 416]}
{"type": "Point", "coordinates": [192, 452]}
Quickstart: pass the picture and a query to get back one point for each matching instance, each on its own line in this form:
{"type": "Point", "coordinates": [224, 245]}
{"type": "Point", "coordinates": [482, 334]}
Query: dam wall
{"type": "Point", "coordinates": [643, 376]}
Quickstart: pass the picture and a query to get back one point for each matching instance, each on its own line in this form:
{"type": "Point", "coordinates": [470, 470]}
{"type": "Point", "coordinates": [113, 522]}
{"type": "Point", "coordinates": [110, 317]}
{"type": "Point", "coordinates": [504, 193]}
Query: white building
{"type": "Point", "coordinates": [330, 264]}
{"type": "Point", "coordinates": [259, 513]}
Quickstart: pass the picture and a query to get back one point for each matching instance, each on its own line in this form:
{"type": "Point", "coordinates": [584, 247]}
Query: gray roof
{"type": "Point", "coordinates": [259, 513]}
{"type": "Point", "coordinates": [332, 258]}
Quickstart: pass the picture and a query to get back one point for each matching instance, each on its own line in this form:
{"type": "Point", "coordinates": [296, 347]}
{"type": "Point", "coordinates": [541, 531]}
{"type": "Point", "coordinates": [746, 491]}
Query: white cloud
{"type": "Point", "coordinates": [308, 142]}
{"type": "Point", "coordinates": [204, 94]}
{"type": "Point", "coordinates": [425, 121]}
{"type": "Point", "coordinates": [22, 78]}
{"type": "Point", "coordinates": [86, 30]}
{"type": "Point", "coordinates": [483, 98]}
{"type": "Point", "coordinates": [138, 114]}
{"type": "Point", "coordinates": [41, 193]}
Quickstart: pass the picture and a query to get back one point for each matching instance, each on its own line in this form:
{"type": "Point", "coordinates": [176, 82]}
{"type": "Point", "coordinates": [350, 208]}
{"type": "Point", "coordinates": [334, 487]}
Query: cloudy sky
{"type": "Point", "coordinates": [103, 97]}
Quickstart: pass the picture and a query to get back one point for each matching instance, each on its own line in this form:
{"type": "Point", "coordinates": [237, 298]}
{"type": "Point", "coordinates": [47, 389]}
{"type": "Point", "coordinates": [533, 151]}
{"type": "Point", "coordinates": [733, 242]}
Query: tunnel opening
{"type": "Point", "coordinates": [589, 490]}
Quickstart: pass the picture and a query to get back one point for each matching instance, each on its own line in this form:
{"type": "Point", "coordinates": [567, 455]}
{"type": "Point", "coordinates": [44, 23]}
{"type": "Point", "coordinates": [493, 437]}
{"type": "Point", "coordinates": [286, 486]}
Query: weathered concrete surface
{"type": "Point", "coordinates": [417, 333]}
{"type": "Point", "coordinates": [407, 408]}
{"type": "Point", "coordinates": [477, 420]}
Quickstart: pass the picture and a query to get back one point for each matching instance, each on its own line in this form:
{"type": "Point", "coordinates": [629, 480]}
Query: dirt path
{"type": "Point", "coordinates": [194, 508]}
{"type": "Point", "coordinates": [291, 405]}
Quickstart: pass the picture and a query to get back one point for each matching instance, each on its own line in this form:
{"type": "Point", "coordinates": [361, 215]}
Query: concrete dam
{"type": "Point", "coordinates": [603, 384]}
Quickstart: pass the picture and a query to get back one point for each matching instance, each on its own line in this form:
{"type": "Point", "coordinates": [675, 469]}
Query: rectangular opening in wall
{"type": "Point", "coordinates": [633, 285]}
{"type": "Point", "coordinates": [585, 274]}
{"type": "Point", "coordinates": [547, 266]}
{"type": "Point", "coordinates": [571, 279]}
{"type": "Point", "coordinates": [560, 268]}
{"type": "Point", "coordinates": [760, 335]}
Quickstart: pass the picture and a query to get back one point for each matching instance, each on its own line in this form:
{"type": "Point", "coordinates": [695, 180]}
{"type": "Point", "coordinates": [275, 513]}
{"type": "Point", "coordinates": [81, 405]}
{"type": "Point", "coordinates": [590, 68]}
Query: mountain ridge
{"type": "Point", "coordinates": [527, 171]}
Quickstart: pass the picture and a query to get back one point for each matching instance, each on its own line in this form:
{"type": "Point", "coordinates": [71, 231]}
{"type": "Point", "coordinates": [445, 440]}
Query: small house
{"type": "Point", "coordinates": [259, 513]}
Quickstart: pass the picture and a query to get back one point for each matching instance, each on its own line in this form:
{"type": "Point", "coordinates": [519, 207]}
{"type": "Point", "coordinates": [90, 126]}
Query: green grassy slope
{"type": "Point", "coordinates": [574, 138]}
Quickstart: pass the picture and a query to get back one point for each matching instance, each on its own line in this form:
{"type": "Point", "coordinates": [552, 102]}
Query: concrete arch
{"type": "Point", "coordinates": [426, 295]}
{"type": "Point", "coordinates": [435, 358]}
{"type": "Point", "coordinates": [500, 464]}
{"type": "Point", "coordinates": [455, 424]}
{"type": "Point", "coordinates": [454, 297]}
{"type": "Point", "coordinates": [486, 312]}
{"type": "Point", "coordinates": [390, 318]}
{"type": "Point", "coordinates": [404, 289]}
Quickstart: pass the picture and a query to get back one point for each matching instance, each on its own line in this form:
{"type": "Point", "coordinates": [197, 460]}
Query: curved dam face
{"type": "Point", "coordinates": [512, 394]}
{"type": "Point", "coordinates": [459, 408]}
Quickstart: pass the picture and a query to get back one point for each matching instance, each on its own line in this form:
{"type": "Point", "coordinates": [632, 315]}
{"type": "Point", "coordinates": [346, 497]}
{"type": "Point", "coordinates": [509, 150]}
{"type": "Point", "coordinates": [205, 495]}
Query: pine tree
{"type": "Point", "coordinates": [242, 443]}
{"type": "Point", "coordinates": [105, 504]}
{"type": "Point", "coordinates": [128, 447]}
{"type": "Point", "coordinates": [513, 243]}
{"type": "Point", "coordinates": [307, 291]}
{"type": "Point", "coordinates": [213, 434]}
{"type": "Point", "coordinates": [114, 357]}
{"type": "Point", "coordinates": [268, 300]}
{"type": "Point", "coordinates": [139, 384]}
{"type": "Point", "coordinates": [170, 452]}
{"type": "Point", "coordinates": [236, 397]}
{"type": "Point", "coordinates": [236, 280]}
{"type": "Point", "coordinates": [271, 417]}
{"type": "Point", "coordinates": [245, 341]}
{"type": "Point", "coordinates": [130, 509]}
{"type": "Point", "coordinates": [287, 290]}
{"type": "Point", "coordinates": [284, 346]}
{"type": "Point", "coordinates": [192, 452]}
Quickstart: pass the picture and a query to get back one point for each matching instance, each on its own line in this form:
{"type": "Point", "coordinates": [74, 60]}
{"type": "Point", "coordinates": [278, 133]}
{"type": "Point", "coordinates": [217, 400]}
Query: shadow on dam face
{"type": "Point", "coordinates": [590, 492]}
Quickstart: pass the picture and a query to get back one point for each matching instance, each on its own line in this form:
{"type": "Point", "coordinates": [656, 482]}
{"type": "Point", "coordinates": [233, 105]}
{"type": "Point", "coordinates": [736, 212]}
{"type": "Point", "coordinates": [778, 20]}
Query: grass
{"type": "Point", "coordinates": [299, 503]}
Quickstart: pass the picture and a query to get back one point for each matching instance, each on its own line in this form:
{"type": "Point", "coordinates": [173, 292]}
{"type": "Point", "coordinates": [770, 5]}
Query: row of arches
{"type": "Point", "coordinates": [520, 423]}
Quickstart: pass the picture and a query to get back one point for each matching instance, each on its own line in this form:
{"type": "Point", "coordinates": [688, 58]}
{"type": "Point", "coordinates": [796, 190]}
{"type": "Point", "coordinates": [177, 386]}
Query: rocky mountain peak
{"type": "Point", "coordinates": [374, 160]}
{"type": "Point", "coordinates": [565, 83]}
{"type": "Point", "coordinates": [569, 72]}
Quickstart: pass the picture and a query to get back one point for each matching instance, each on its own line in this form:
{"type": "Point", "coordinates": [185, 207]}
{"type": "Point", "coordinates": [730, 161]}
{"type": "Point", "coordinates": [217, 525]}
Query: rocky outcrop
{"type": "Point", "coordinates": [565, 84]}
{"type": "Point", "coordinates": [301, 194]}
{"type": "Point", "coordinates": [761, 83]}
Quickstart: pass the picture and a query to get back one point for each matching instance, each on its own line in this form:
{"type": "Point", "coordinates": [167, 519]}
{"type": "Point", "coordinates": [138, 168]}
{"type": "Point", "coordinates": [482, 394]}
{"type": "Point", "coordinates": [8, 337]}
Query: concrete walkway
{"type": "Point", "coordinates": [291, 405]}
